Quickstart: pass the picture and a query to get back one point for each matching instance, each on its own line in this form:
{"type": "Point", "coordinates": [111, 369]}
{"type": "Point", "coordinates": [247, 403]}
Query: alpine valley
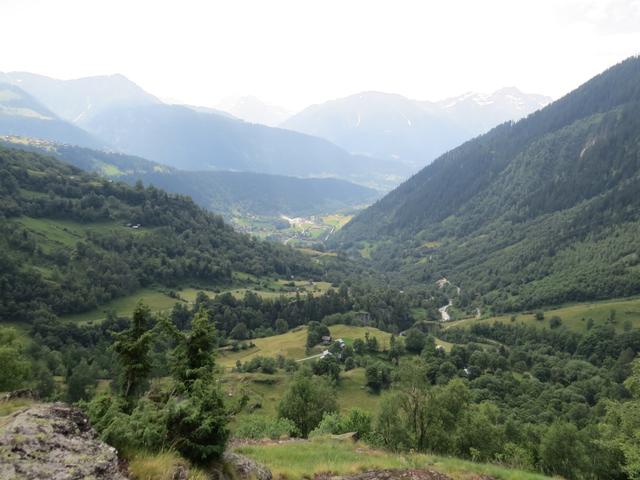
{"type": "Point", "coordinates": [373, 288]}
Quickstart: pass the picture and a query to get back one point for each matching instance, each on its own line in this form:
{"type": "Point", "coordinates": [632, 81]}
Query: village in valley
{"type": "Point", "coordinates": [308, 232]}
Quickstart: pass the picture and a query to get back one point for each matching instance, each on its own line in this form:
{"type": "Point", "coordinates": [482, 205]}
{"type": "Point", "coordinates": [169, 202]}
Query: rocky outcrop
{"type": "Point", "coordinates": [54, 442]}
{"type": "Point", "coordinates": [245, 468]}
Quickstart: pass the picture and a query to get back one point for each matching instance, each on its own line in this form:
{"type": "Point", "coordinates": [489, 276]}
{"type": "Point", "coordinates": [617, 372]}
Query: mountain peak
{"type": "Point", "coordinates": [78, 99]}
{"type": "Point", "coordinates": [252, 109]}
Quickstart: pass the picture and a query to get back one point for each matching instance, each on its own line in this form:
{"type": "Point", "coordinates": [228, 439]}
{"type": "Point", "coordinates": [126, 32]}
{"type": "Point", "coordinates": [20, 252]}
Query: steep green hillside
{"type": "Point", "coordinates": [242, 193]}
{"type": "Point", "coordinates": [21, 114]}
{"type": "Point", "coordinates": [231, 194]}
{"type": "Point", "coordinates": [538, 212]}
{"type": "Point", "coordinates": [71, 240]}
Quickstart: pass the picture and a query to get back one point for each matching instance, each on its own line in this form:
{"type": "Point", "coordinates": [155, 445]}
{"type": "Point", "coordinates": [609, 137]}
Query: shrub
{"type": "Point", "coordinates": [198, 424]}
{"type": "Point", "coordinates": [555, 321]}
{"type": "Point", "coordinates": [334, 424]}
{"type": "Point", "coordinates": [258, 427]}
{"type": "Point", "coordinates": [306, 401]}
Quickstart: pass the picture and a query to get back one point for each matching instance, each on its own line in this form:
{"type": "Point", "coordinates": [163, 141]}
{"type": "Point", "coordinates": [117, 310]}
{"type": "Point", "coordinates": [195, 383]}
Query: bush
{"type": "Point", "coordinates": [414, 341]}
{"type": "Point", "coordinates": [334, 424]}
{"type": "Point", "coordinates": [555, 321]}
{"type": "Point", "coordinates": [378, 376]}
{"type": "Point", "coordinates": [258, 427]}
{"type": "Point", "coordinates": [315, 332]}
{"type": "Point", "coordinates": [306, 401]}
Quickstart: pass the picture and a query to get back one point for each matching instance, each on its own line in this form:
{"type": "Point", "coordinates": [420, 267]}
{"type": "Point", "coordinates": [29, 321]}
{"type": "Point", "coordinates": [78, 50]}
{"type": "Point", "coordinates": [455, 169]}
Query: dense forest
{"type": "Point", "coordinates": [112, 240]}
{"type": "Point", "coordinates": [538, 212]}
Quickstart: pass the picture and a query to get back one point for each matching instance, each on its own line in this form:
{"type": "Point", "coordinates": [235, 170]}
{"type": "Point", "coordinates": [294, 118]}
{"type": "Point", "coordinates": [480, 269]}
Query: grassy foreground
{"type": "Point", "coordinates": [297, 460]}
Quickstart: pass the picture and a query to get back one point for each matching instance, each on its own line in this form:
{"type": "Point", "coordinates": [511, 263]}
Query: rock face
{"type": "Point", "coordinates": [54, 442]}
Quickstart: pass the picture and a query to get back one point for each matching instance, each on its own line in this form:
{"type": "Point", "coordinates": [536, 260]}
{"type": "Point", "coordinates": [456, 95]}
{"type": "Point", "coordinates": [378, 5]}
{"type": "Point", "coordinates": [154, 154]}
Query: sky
{"type": "Point", "coordinates": [293, 53]}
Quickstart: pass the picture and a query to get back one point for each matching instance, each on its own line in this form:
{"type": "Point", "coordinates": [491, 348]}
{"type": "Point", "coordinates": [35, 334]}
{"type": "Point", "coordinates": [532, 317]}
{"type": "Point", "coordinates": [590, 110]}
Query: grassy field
{"type": "Point", "coordinates": [52, 234]}
{"type": "Point", "coordinates": [298, 460]}
{"type": "Point", "coordinates": [268, 390]}
{"type": "Point", "coordinates": [574, 317]}
{"type": "Point", "coordinates": [292, 343]}
{"type": "Point", "coordinates": [268, 288]}
{"type": "Point", "coordinates": [160, 301]}
{"type": "Point", "coordinates": [337, 220]}
{"type": "Point", "coordinates": [125, 306]}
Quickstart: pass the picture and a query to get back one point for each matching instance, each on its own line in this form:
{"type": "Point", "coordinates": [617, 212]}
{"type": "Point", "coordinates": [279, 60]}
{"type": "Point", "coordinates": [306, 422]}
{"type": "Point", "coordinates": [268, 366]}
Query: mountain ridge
{"type": "Point", "coordinates": [389, 125]}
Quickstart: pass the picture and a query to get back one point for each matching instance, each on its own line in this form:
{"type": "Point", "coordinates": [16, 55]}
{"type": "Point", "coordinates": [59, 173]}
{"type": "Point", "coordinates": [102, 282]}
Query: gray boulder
{"type": "Point", "coordinates": [54, 442]}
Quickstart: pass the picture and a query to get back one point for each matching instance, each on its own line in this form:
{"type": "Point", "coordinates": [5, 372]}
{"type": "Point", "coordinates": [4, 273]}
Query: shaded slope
{"type": "Point", "coordinates": [190, 140]}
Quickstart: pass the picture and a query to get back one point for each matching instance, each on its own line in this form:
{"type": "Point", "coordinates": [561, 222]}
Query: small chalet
{"type": "Point", "coordinates": [326, 339]}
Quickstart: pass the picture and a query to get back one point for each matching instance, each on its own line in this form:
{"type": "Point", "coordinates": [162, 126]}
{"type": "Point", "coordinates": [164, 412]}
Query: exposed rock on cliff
{"type": "Point", "coordinates": [54, 442]}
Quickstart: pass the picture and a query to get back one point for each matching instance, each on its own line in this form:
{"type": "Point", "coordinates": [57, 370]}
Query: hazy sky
{"type": "Point", "coordinates": [296, 52]}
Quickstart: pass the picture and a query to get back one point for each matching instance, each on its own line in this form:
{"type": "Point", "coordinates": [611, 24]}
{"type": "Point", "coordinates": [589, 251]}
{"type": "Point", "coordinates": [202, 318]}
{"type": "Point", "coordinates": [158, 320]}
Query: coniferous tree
{"type": "Point", "coordinates": [132, 347]}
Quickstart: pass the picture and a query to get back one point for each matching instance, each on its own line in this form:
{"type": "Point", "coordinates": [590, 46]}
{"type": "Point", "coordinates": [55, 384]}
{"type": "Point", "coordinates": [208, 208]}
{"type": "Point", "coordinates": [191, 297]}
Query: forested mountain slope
{"type": "Point", "coordinates": [68, 241]}
{"type": "Point", "coordinates": [22, 114]}
{"type": "Point", "coordinates": [226, 193]}
{"type": "Point", "coordinates": [540, 211]}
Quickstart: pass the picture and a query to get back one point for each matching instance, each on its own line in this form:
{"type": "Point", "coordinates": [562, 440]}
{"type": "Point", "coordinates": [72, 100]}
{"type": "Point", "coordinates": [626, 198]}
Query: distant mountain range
{"type": "Point", "coordinates": [373, 139]}
{"type": "Point", "coordinates": [183, 138]}
{"type": "Point", "coordinates": [112, 112]}
{"type": "Point", "coordinates": [231, 194]}
{"type": "Point", "coordinates": [533, 213]}
{"type": "Point", "coordinates": [410, 132]}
